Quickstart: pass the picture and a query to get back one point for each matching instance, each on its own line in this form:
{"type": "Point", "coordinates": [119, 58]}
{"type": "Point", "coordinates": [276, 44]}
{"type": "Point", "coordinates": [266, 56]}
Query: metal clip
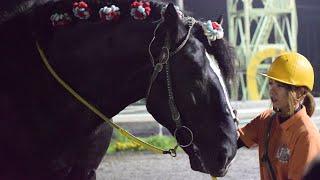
{"type": "Point", "coordinates": [173, 152]}
{"type": "Point", "coordinates": [158, 67]}
{"type": "Point", "coordinates": [164, 55]}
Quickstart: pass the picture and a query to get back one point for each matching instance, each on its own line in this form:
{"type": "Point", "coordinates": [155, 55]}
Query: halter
{"type": "Point", "coordinates": [163, 60]}
{"type": "Point", "coordinates": [164, 57]}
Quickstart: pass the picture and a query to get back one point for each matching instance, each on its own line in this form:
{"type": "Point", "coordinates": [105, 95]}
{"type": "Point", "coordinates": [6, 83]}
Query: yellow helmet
{"type": "Point", "coordinates": [292, 68]}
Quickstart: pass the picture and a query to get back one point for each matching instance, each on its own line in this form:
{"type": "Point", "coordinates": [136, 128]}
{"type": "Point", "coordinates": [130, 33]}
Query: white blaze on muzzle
{"type": "Point", "coordinates": [214, 65]}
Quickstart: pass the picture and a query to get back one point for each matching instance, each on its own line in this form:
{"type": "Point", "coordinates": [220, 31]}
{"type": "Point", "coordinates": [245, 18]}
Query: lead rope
{"type": "Point", "coordinates": [155, 149]}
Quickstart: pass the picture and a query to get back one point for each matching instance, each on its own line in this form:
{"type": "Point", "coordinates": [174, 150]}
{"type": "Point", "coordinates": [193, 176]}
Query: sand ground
{"type": "Point", "coordinates": [151, 166]}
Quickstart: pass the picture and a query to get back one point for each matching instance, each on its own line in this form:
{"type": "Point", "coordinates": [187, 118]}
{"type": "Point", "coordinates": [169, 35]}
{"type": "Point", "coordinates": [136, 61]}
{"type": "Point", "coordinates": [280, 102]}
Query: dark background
{"type": "Point", "coordinates": [308, 27]}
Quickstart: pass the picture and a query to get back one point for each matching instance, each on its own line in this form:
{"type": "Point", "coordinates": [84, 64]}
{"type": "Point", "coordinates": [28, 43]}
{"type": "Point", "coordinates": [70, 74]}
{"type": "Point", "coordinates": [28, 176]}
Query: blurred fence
{"type": "Point", "coordinates": [137, 120]}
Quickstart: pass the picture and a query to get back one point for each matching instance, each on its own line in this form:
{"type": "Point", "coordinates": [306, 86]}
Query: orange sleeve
{"type": "Point", "coordinates": [251, 133]}
{"type": "Point", "coordinates": [306, 148]}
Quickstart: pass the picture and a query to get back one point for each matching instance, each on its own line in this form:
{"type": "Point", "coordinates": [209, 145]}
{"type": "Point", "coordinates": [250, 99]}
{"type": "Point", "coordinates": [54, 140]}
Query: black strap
{"type": "Point", "coordinates": [265, 157]}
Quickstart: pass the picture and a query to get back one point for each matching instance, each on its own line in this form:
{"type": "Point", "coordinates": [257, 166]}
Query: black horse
{"type": "Point", "coordinates": [46, 133]}
{"type": "Point", "coordinates": [313, 169]}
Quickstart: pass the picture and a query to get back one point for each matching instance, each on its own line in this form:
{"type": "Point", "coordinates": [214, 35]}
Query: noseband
{"type": "Point", "coordinates": [164, 57]}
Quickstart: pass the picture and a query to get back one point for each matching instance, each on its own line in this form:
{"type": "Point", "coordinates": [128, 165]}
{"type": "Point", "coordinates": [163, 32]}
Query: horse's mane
{"type": "Point", "coordinates": [11, 9]}
{"type": "Point", "coordinates": [222, 51]}
{"type": "Point", "coordinates": [226, 56]}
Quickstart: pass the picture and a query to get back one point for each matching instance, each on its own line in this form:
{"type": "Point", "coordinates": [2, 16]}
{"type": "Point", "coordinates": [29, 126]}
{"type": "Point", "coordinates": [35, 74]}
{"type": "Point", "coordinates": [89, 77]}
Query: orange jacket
{"type": "Point", "coordinates": [292, 144]}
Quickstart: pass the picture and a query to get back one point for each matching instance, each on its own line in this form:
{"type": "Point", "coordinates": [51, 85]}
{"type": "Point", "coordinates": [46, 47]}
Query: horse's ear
{"type": "Point", "coordinates": [170, 16]}
{"type": "Point", "coordinates": [220, 20]}
{"type": "Point", "coordinates": [173, 25]}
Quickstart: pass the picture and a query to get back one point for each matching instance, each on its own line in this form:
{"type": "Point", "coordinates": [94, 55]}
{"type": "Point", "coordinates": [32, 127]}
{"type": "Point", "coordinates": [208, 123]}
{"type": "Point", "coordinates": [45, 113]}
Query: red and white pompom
{"type": "Point", "coordinates": [60, 19]}
{"type": "Point", "coordinates": [213, 31]}
{"type": "Point", "coordinates": [81, 10]}
{"type": "Point", "coordinates": [140, 10]}
{"type": "Point", "coordinates": [109, 13]}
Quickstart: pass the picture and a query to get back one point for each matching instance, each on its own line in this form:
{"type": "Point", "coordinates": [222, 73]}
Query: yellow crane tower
{"type": "Point", "coordinates": [260, 30]}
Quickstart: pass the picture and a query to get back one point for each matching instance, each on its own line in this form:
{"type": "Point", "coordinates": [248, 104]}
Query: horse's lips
{"type": "Point", "coordinates": [197, 165]}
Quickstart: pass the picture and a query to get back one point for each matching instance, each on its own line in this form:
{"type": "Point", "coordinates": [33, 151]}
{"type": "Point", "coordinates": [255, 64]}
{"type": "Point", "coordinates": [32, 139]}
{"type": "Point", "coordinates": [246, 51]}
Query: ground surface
{"type": "Point", "coordinates": [151, 166]}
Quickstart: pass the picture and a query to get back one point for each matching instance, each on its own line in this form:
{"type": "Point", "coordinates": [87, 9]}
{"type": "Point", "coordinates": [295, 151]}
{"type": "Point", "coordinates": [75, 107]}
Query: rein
{"type": "Point", "coordinates": [155, 149]}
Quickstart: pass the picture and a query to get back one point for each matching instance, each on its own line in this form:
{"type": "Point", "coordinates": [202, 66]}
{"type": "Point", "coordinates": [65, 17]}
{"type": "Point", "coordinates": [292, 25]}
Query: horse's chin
{"type": "Point", "coordinates": [197, 165]}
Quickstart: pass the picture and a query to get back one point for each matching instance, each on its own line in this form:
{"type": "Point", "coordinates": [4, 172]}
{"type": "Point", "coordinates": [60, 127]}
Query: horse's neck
{"type": "Point", "coordinates": [111, 85]}
{"type": "Point", "coordinates": [110, 67]}
{"type": "Point", "coordinates": [128, 85]}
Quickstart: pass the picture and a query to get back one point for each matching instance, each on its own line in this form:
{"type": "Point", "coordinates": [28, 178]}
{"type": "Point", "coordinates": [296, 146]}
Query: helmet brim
{"type": "Point", "coordinates": [276, 79]}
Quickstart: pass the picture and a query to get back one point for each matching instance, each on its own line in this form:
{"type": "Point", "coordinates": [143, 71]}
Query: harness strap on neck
{"type": "Point", "coordinates": [97, 112]}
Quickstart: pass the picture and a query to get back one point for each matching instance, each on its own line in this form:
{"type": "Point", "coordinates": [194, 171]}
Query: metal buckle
{"type": "Point", "coordinates": [164, 55]}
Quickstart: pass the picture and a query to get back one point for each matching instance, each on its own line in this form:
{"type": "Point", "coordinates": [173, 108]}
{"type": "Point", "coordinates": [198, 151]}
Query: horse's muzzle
{"type": "Point", "coordinates": [197, 165]}
{"type": "Point", "coordinates": [218, 165]}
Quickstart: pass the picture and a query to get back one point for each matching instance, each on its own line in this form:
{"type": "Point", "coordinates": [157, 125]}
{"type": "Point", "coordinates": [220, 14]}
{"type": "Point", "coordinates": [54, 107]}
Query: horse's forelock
{"type": "Point", "coordinates": [223, 52]}
{"type": "Point", "coordinates": [226, 56]}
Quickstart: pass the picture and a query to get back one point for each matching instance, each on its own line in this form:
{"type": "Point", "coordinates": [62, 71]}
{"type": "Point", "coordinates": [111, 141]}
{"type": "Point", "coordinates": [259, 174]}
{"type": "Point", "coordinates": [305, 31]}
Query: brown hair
{"type": "Point", "coordinates": [308, 100]}
{"type": "Point", "coordinates": [309, 103]}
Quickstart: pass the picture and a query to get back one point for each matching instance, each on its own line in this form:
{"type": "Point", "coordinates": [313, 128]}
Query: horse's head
{"type": "Point", "coordinates": [108, 63]}
{"type": "Point", "coordinates": [189, 95]}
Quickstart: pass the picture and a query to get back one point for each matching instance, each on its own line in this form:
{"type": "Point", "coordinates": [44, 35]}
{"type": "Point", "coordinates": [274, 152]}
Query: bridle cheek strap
{"type": "Point", "coordinates": [163, 60]}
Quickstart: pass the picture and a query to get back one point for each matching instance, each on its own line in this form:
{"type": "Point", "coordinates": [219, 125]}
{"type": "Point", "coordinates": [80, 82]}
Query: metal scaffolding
{"type": "Point", "coordinates": [180, 4]}
{"type": "Point", "coordinates": [260, 30]}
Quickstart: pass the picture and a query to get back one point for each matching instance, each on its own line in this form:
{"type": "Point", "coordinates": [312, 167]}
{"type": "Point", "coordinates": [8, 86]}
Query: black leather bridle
{"type": "Point", "coordinates": [163, 59]}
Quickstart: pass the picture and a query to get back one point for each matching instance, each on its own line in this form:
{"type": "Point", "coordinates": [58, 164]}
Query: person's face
{"type": "Point", "coordinates": [279, 95]}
